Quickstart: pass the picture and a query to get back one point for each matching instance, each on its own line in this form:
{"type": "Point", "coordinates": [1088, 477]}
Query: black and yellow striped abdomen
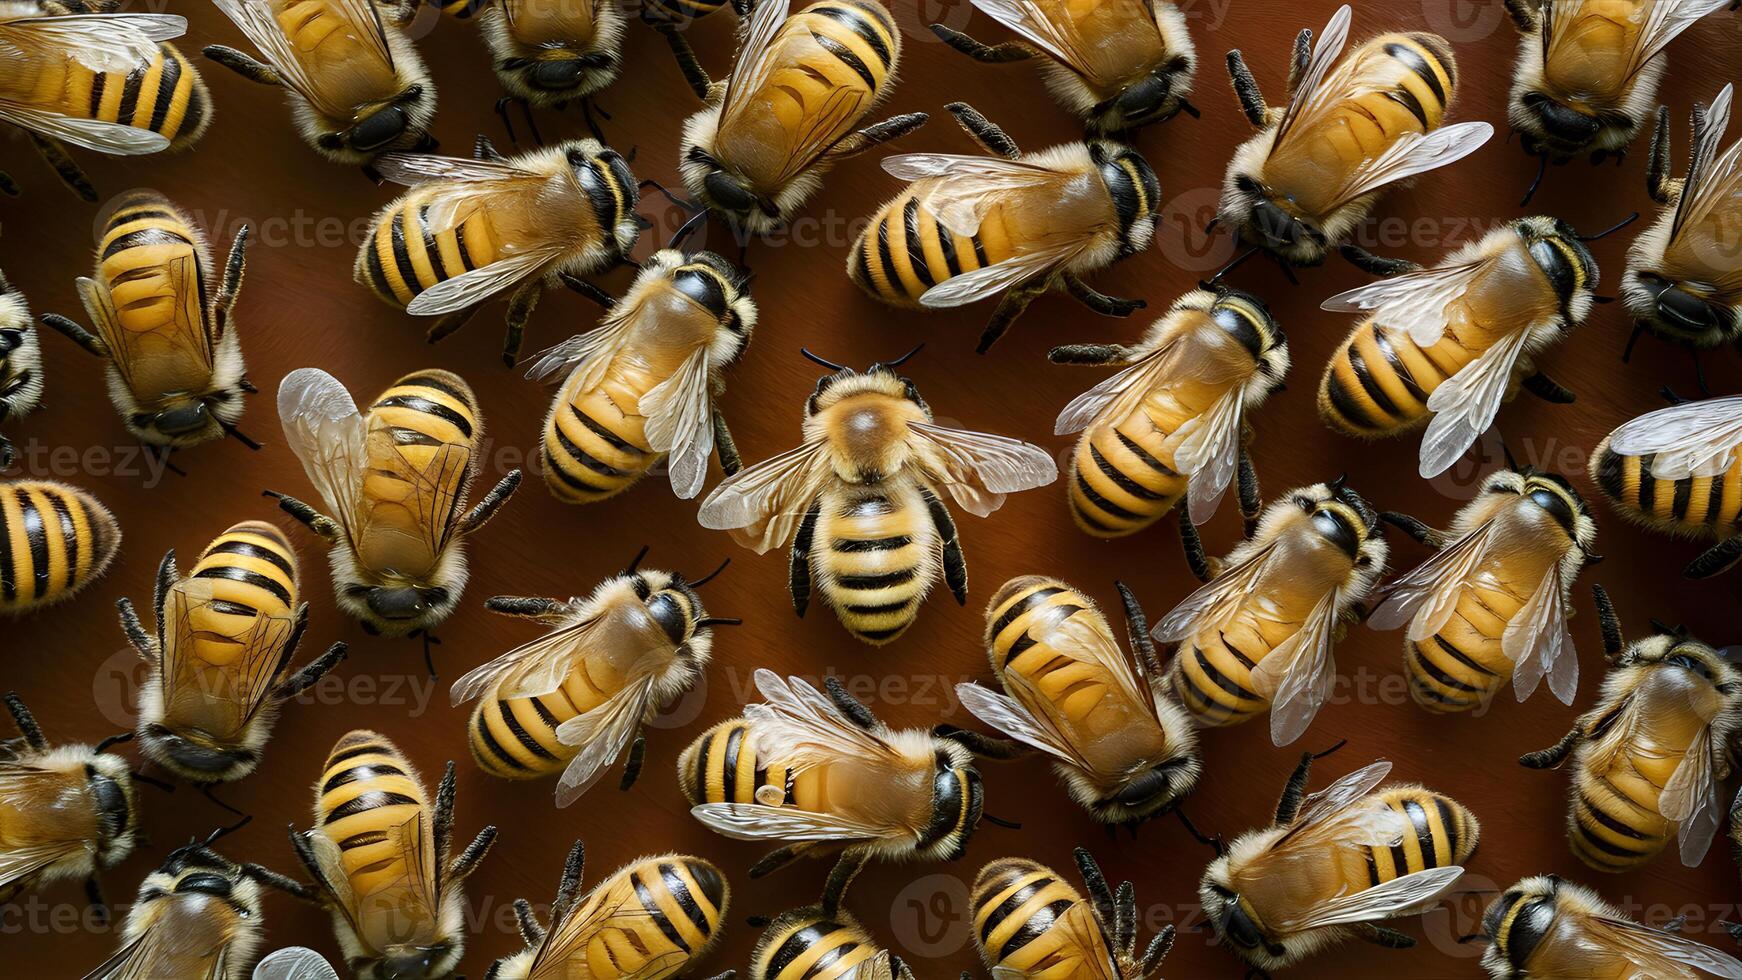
{"type": "Point", "coordinates": [1378, 382]}
{"type": "Point", "coordinates": [1701, 505]}
{"type": "Point", "coordinates": [367, 790]}
{"type": "Point", "coordinates": [462, 9]}
{"type": "Point", "coordinates": [167, 97]}
{"type": "Point", "coordinates": [1211, 672]}
{"type": "Point", "coordinates": [805, 944]}
{"type": "Point", "coordinates": [906, 250]}
{"type": "Point", "coordinates": [144, 247]}
{"type": "Point", "coordinates": [1018, 908]}
{"type": "Point", "coordinates": [414, 429]}
{"type": "Point", "coordinates": [1464, 664]}
{"type": "Point", "coordinates": [252, 571]}
{"type": "Point", "coordinates": [595, 441]}
{"type": "Point", "coordinates": [1615, 818]}
{"type": "Point", "coordinates": [402, 258]}
{"type": "Point", "coordinates": [723, 766]}
{"type": "Point", "coordinates": [668, 911]}
{"type": "Point", "coordinates": [1440, 832]}
{"type": "Point", "coordinates": [872, 552]}
{"type": "Point", "coordinates": [54, 540]}
{"type": "Point", "coordinates": [1122, 475]}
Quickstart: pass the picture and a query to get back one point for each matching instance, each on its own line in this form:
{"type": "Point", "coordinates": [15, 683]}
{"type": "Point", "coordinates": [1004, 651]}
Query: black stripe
{"type": "Point", "coordinates": [880, 634]}
{"type": "Point", "coordinates": [729, 773]}
{"type": "Point", "coordinates": [1239, 654]}
{"type": "Point", "coordinates": [1372, 869]}
{"type": "Point", "coordinates": [1370, 386]}
{"type": "Point", "coordinates": [880, 610]}
{"type": "Point", "coordinates": [68, 531]}
{"type": "Point", "coordinates": [1592, 840]}
{"type": "Point", "coordinates": [130, 96]}
{"type": "Point", "coordinates": [1006, 908]}
{"type": "Point", "coordinates": [1413, 60]}
{"type": "Point", "coordinates": [144, 208]}
{"type": "Point", "coordinates": [584, 458]}
{"type": "Point", "coordinates": [365, 803]}
{"type": "Point", "coordinates": [195, 113]}
{"type": "Point", "coordinates": [482, 728]}
{"type": "Point", "coordinates": [1684, 488]}
{"type": "Point", "coordinates": [860, 25]}
{"type": "Point", "coordinates": [1715, 500]}
{"type": "Point", "coordinates": [881, 581]}
{"type": "Point", "coordinates": [1647, 483]}
{"type": "Point", "coordinates": [1453, 837]}
{"type": "Point", "coordinates": [144, 236]}
{"type": "Point", "coordinates": [250, 550]}
{"type": "Point", "coordinates": [884, 256]}
{"type": "Point", "coordinates": [598, 183]}
{"type": "Point", "coordinates": [401, 257]}
{"type": "Point", "coordinates": [422, 379]}
{"type": "Point", "coordinates": [36, 536]}
{"type": "Point", "coordinates": [1610, 822]}
{"type": "Point", "coordinates": [1103, 503]}
{"type": "Point", "coordinates": [525, 738]}
{"type": "Point", "coordinates": [1397, 366]}
{"type": "Point", "coordinates": [432, 252]}
{"type": "Point", "coordinates": [255, 579]}
{"type": "Point", "coordinates": [99, 82]}
{"type": "Point", "coordinates": [855, 546]}
{"type": "Point", "coordinates": [166, 83]}
{"type": "Point", "coordinates": [362, 771]}
{"type": "Point", "coordinates": [915, 248]}
{"type": "Point", "coordinates": [680, 890]}
{"type": "Point", "coordinates": [612, 439]}
{"type": "Point", "coordinates": [796, 944]}
{"type": "Point", "coordinates": [979, 250]}
{"type": "Point", "coordinates": [845, 56]}
{"type": "Point", "coordinates": [1424, 832]}
{"type": "Point", "coordinates": [1120, 480]}
{"type": "Point", "coordinates": [377, 275]}
{"type": "Point", "coordinates": [1143, 454]}
{"type": "Point", "coordinates": [651, 907]}
{"type": "Point", "coordinates": [363, 839]}
{"type": "Point", "coordinates": [1030, 601]}
{"type": "Point", "coordinates": [418, 403]}
{"type": "Point", "coordinates": [1037, 925]}
{"type": "Point", "coordinates": [356, 750]}
{"type": "Point", "coordinates": [1344, 403]}
{"type": "Point", "coordinates": [701, 787]}
{"type": "Point", "coordinates": [1222, 681]}
{"type": "Point", "coordinates": [1433, 670]}
{"type": "Point", "coordinates": [947, 243]}
{"type": "Point", "coordinates": [1407, 99]}
{"type": "Point", "coordinates": [460, 243]}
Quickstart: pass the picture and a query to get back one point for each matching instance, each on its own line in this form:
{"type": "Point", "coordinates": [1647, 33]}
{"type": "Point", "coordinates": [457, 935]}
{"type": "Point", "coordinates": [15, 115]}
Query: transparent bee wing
{"type": "Point", "coordinates": [1536, 640]}
{"type": "Point", "coordinates": [603, 733]}
{"type": "Point", "coordinates": [1210, 453]}
{"type": "Point", "coordinates": [1426, 597]}
{"type": "Point", "coordinates": [753, 821]}
{"type": "Point", "coordinates": [680, 422]}
{"type": "Point", "coordinates": [1465, 404]}
{"type": "Point", "coordinates": [1665, 20]}
{"type": "Point", "coordinates": [1690, 799]}
{"type": "Point", "coordinates": [1691, 439]}
{"type": "Point", "coordinates": [1038, 262]}
{"type": "Point", "coordinates": [1298, 674]}
{"type": "Point", "coordinates": [1416, 154]}
{"type": "Point", "coordinates": [978, 468]}
{"type": "Point", "coordinates": [762, 504]}
{"type": "Point", "coordinates": [1311, 96]}
{"type": "Point", "coordinates": [1660, 954]}
{"type": "Point", "coordinates": [1395, 897]}
{"type": "Point", "coordinates": [294, 963]}
{"type": "Point", "coordinates": [1711, 177]}
{"type": "Point", "coordinates": [328, 435]}
{"type": "Point", "coordinates": [110, 42]}
{"type": "Point", "coordinates": [92, 134]}
{"type": "Point", "coordinates": [1015, 720]}
{"type": "Point", "coordinates": [1414, 302]}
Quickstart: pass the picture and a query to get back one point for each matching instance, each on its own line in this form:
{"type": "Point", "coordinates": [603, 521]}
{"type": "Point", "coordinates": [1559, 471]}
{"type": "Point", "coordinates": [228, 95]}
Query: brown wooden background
{"type": "Point", "coordinates": [299, 307]}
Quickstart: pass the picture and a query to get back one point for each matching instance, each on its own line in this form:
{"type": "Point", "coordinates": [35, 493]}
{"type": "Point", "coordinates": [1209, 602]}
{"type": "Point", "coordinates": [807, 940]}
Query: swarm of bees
{"type": "Point", "coordinates": [865, 505]}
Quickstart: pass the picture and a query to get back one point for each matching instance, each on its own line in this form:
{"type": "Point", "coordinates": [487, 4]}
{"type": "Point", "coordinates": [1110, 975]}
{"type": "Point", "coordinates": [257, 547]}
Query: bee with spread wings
{"type": "Point", "coordinates": [1119, 64]}
{"type": "Point", "coordinates": [864, 496]}
{"type": "Point", "coordinates": [1684, 273]}
{"type": "Point", "coordinates": [356, 84]}
{"type": "Point", "coordinates": [1314, 170]}
{"type": "Point", "coordinates": [1668, 470]}
{"type": "Point", "coordinates": [55, 67]}
{"type": "Point", "coordinates": [1548, 927]}
{"type": "Point", "coordinates": [1649, 759]}
{"type": "Point", "coordinates": [1333, 864]}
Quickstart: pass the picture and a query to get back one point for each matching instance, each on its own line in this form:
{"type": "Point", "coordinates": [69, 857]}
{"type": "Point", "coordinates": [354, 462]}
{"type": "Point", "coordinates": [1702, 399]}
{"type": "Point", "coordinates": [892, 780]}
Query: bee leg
{"type": "Point", "coordinates": [1523, 14]}
{"type": "Point", "coordinates": [1417, 531]}
{"type": "Point", "coordinates": [530, 930]}
{"type": "Point", "coordinates": [889, 129]}
{"type": "Point", "coordinates": [955, 565]}
{"type": "Point", "coordinates": [1657, 170]}
{"type": "Point", "coordinates": [6, 451]}
{"type": "Point", "coordinates": [687, 63]}
{"type": "Point", "coordinates": [1535, 185]}
{"type": "Point", "coordinates": [983, 746]}
{"type": "Point", "coordinates": [1632, 338]}
{"type": "Point", "coordinates": [1554, 755]}
{"type": "Point", "coordinates": [1009, 308]}
{"type": "Point", "coordinates": [849, 705]}
{"type": "Point", "coordinates": [141, 641]}
{"type": "Point", "coordinates": [570, 884]}
{"type": "Point", "coordinates": [991, 54]}
{"type": "Point", "coordinates": [1247, 91]}
{"type": "Point", "coordinates": [778, 858]}
{"type": "Point", "coordinates": [1377, 265]}
{"type": "Point", "coordinates": [313, 519]}
{"type": "Point", "coordinates": [492, 502]}
{"type": "Point", "coordinates": [233, 270]}
{"type": "Point", "coordinates": [1545, 388]}
{"type": "Point", "coordinates": [94, 895]}
{"type": "Point", "coordinates": [587, 289]}
{"type": "Point", "coordinates": [632, 768]}
{"type": "Point", "coordinates": [468, 860]}
{"type": "Point", "coordinates": [284, 883]}
{"type": "Point", "coordinates": [1299, 58]}
{"type": "Point", "coordinates": [429, 640]}
{"type": "Point", "coordinates": [443, 822]}
{"type": "Point", "coordinates": [1378, 935]}
{"type": "Point", "coordinates": [1096, 882]}
{"type": "Point", "coordinates": [520, 307]}
{"type": "Point", "coordinates": [984, 131]}
{"type": "Point", "coordinates": [1251, 498]}
{"type": "Point", "coordinates": [1090, 355]}
{"type": "Point", "coordinates": [1717, 558]}
{"type": "Point", "coordinates": [1158, 949]}
{"type": "Point", "coordinates": [243, 64]}
{"type": "Point", "coordinates": [26, 723]}
{"type": "Point", "coordinates": [1137, 631]}
{"type": "Point", "coordinates": [840, 878]}
{"type": "Point", "coordinates": [76, 333]}
{"type": "Point", "coordinates": [1203, 566]}
{"type": "Point", "coordinates": [730, 461]}
{"type": "Point", "coordinates": [70, 173]}
{"type": "Point", "coordinates": [799, 573]}
{"type": "Point", "coordinates": [588, 111]}
{"type": "Point", "coordinates": [1098, 301]}
{"type": "Point", "coordinates": [1613, 643]}
{"type": "Point", "coordinates": [305, 678]}
{"type": "Point", "coordinates": [540, 610]}
{"type": "Point", "coordinates": [206, 791]}
{"type": "Point", "coordinates": [447, 323]}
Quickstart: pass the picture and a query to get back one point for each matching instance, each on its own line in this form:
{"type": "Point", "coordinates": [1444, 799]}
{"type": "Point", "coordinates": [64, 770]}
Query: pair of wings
{"type": "Point", "coordinates": [1061, 37]}
{"type": "Point", "coordinates": [809, 730]}
{"type": "Point", "coordinates": [1690, 797]}
{"type": "Point", "coordinates": [294, 963]}
{"type": "Point", "coordinates": [540, 667]}
{"type": "Point", "coordinates": [191, 334]}
{"type": "Point", "coordinates": [1691, 439]}
{"type": "Point", "coordinates": [1713, 174]}
{"type": "Point", "coordinates": [1297, 675]}
{"type": "Point", "coordinates": [318, 81]}
{"type": "Point", "coordinates": [1344, 814]}
{"type": "Point", "coordinates": [1210, 451]}
{"type": "Point", "coordinates": [466, 187]}
{"type": "Point", "coordinates": [1077, 950]}
{"type": "Point", "coordinates": [1663, 21]}
{"type": "Point", "coordinates": [26, 788]}
{"type": "Point", "coordinates": [1420, 305]}
{"type": "Point", "coordinates": [331, 438]}
{"type": "Point", "coordinates": [102, 43]}
{"type": "Point", "coordinates": [1536, 638]}
{"type": "Point", "coordinates": [1026, 714]}
{"type": "Point", "coordinates": [762, 504]}
{"type": "Point", "coordinates": [222, 695]}
{"type": "Point", "coordinates": [966, 187]}
{"type": "Point", "coordinates": [1321, 91]}
{"type": "Point", "coordinates": [679, 411]}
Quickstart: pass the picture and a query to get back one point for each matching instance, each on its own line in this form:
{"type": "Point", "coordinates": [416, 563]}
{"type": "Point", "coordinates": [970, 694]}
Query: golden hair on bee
{"type": "Point", "coordinates": [1649, 757]}
{"type": "Point", "coordinates": [1299, 186]}
{"type": "Point", "coordinates": [551, 52]}
{"type": "Point", "coordinates": [1117, 65]}
{"type": "Point", "coordinates": [1280, 894]}
{"type": "Point", "coordinates": [1029, 923]}
{"type": "Point", "coordinates": [1546, 926]}
{"type": "Point", "coordinates": [356, 85]}
{"type": "Point", "coordinates": [55, 539]}
{"type": "Point", "coordinates": [655, 916]}
{"type": "Point", "coordinates": [20, 363]}
{"type": "Point", "coordinates": [815, 75]}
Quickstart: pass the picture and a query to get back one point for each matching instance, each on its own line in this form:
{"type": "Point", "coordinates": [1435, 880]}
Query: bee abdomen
{"type": "Point", "coordinates": [516, 738]}
{"type": "Point", "coordinates": [1213, 680]}
{"type": "Point", "coordinates": [367, 789]}
{"type": "Point", "coordinates": [1017, 902]}
{"type": "Point", "coordinates": [258, 567]}
{"type": "Point", "coordinates": [808, 945]}
{"type": "Point", "coordinates": [54, 540]}
{"type": "Point", "coordinates": [463, 9]}
{"type": "Point", "coordinates": [1710, 504]}
{"type": "Point", "coordinates": [167, 97]}
{"type": "Point", "coordinates": [682, 900]}
{"type": "Point", "coordinates": [1377, 384]}
{"type": "Point", "coordinates": [875, 557]}
{"type": "Point", "coordinates": [905, 251]}
{"type": "Point", "coordinates": [1610, 831]}
{"type": "Point", "coordinates": [1120, 485]}
{"type": "Point", "coordinates": [721, 766]}
{"type": "Point", "coordinates": [1440, 832]}
{"type": "Point", "coordinates": [1463, 664]}
{"type": "Point", "coordinates": [429, 407]}
{"type": "Point", "coordinates": [860, 37]}
{"type": "Point", "coordinates": [403, 258]}
{"type": "Point", "coordinates": [593, 449]}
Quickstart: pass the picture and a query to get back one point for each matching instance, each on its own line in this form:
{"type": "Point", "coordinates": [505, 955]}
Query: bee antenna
{"type": "Point", "coordinates": [705, 579]}
{"type": "Point", "coordinates": [831, 365]}
{"type": "Point", "coordinates": [223, 832]}
{"type": "Point", "coordinates": [153, 781]}
{"type": "Point", "coordinates": [689, 228]}
{"type": "Point", "coordinates": [1473, 937]}
{"type": "Point", "coordinates": [113, 740]}
{"type": "Point", "coordinates": [1231, 266]}
{"type": "Point", "coordinates": [719, 621]}
{"type": "Point", "coordinates": [1337, 484]}
{"type": "Point", "coordinates": [1340, 743]}
{"type": "Point", "coordinates": [239, 436]}
{"type": "Point", "coordinates": [635, 562]}
{"type": "Point", "coordinates": [1612, 230]}
{"type": "Point", "coordinates": [1541, 172]}
{"type": "Point", "coordinates": [1006, 824]}
{"type": "Point", "coordinates": [903, 359]}
{"type": "Point", "coordinates": [1511, 461]}
{"type": "Point", "coordinates": [758, 921]}
{"type": "Point", "coordinates": [1200, 836]}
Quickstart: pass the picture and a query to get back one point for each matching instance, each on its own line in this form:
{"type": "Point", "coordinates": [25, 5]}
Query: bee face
{"type": "Point", "coordinates": [674, 605]}
{"type": "Point", "coordinates": [1149, 793]}
{"type": "Point", "coordinates": [1517, 922]}
{"type": "Point", "coordinates": [393, 606]}
{"type": "Point", "coordinates": [413, 963]}
{"type": "Point", "coordinates": [1555, 128]}
{"type": "Point", "coordinates": [195, 759]}
{"type": "Point", "coordinates": [1235, 921]}
{"type": "Point", "coordinates": [958, 801]}
{"type": "Point", "coordinates": [1151, 98]}
{"type": "Point", "coordinates": [111, 786]}
{"type": "Point", "coordinates": [396, 124]}
{"type": "Point", "coordinates": [1269, 223]}
{"type": "Point", "coordinates": [1679, 308]}
{"type": "Point", "coordinates": [1340, 516]}
{"type": "Point", "coordinates": [558, 73]}
{"type": "Point", "coordinates": [1135, 191]}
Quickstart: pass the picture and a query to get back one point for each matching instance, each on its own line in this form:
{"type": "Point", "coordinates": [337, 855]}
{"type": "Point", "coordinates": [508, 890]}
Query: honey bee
{"type": "Point", "coordinates": [379, 856]}
{"type": "Point", "coordinates": [65, 813]}
{"type": "Point", "coordinates": [1171, 424]}
{"type": "Point", "coordinates": [1314, 170]}
{"type": "Point", "coordinates": [1335, 863]}
{"type": "Point", "coordinates": [768, 134]}
{"type": "Point", "coordinates": [1588, 72]}
{"type": "Point", "coordinates": [55, 539]}
{"type": "Point", "coordinates": [395, 482]}
{"type": "Point", "coordinates": [823, 774]}
{"type": "Point", "coordinates": [1493, 603]}
{"type": "Point", "coordinates": [1030, 925]}
{"type": "Point", "coordinates": [574, 700]}
{"type": "Point", "coordinates": [549, 54]}
{"type": "Point", "coordinates": [470, 229]}
{"type": "Point", "coordinates": [197, 917]}
{"type": "Point", "coordinates": [221, 654]}
{"type": "Point", "coordinates": [1672, 470]}
{"type": "Point", "coordinates": [970, 227]}
{"type": "Point", "coordinates": [651, 919]}
{"type": "Point", "coordinates": [175, 370]}
{"type": "Point", "coordinates": [356, 85]}
{"type": "Point", "coordinates": [810, 944]}
{"type": "Point", "coordinates": [1447, 345]}
{"type": "Point", "coordinates": [104, 81]}
{"type": "Point", "coordinates": [1259, 635]}
{"type": "Point", "coordinates": [20, 363]}
{"type": "Point", "coordinates": [1684, 277]}
{"type": "Point", "coordinates": [1547, 927]}
{"type": "Point", "coordinates": [864, 494]}
{"type": "Point", "coordinates": [1124, 750]}
{"type": "Point", "coordinates": [1649, 758]}
{"type": "Point", "coordinates": [1118, 65]}
{"type": "Point", "coordinates": [640, 387]}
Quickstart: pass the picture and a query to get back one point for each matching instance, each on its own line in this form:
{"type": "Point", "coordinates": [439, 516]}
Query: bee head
{"type": "Point", "coordinates": [1148, 793]}
{"type": "Point", "coordinates": [1672, 646]}
{"type": "Point", "coordinates": [409, 962]}
{"type": "Point", "coordinates": [1517, 922]}
{"type": "Point", "coordinates": [396, 124]}
{"type": "Point", "coordinates": [185, 418]}
{"type": "Point", "coordinates": [1681, 310]}
{"type": "Point", "coordinates": [1235, 921]}
{"type": "Point", "coordinates": [728, 192]}
{"type": "Point", "coordinates": [110, 784]}
{"type": "Point", "coordinates": [717, 286]}
{"type": "Point", "coordinates": [1267, 223]}
{"type": "Point", "coordinates": [1149, 99]}
{"type": "Point", "coordinates": [1554, 128]}
{"type": "Point", "coordinates": [1340, 516]}
{"type": "Point", "coordinates": [394, 606]}
{"type": "Point", "coordinates": [1562, 256]}
{"type": "Point", "coordinates": [195, 757]}
{"type": "Point", "coordinates": [958, 803]}
{"type": "Point", "coordinates": [1555, 496]}
{"type": "Point", "coordinates": [558, 72]}
{"type": "Point", "coordinates": [1135, 191]}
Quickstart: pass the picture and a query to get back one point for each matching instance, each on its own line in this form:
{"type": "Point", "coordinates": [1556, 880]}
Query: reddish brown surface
{"type": "Point", "coordinates": [299, 307]}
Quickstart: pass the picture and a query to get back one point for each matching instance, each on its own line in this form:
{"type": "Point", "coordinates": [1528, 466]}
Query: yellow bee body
{"type": "Point", "coordinates": [54, 541]}
{"type": "Point", "coordinates": [1030, 925]}
{"type": "Point", "coordinates": [809, 944]}
{"type": "Point", "coordinates": [550, 53]}
{"type": "Point", "coordinates": [197, 917]}
{"type": "Point", "coordinates": [1547, 927]}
